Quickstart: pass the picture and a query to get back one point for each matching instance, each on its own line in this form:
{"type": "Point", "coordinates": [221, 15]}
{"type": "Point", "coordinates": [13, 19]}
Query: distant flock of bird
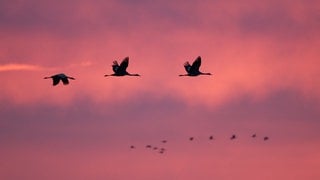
{"type": "Point", "coordinates": [121, 70]}
{"type": "Point", "coordinates": [162, 149]}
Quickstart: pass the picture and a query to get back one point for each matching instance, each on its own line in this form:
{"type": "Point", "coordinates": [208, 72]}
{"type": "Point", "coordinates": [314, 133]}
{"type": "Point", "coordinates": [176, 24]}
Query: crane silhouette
{"type": "Point", "coordinates": [233, 137]}
{"type": "Point", "coordinates": [162, 150]}
{"type": "Point", "coordinates": [56, 79]}
{"type": "Point", "coordinates": [121, 70]}
{"type": "Point", "coordinates": [193, 70]}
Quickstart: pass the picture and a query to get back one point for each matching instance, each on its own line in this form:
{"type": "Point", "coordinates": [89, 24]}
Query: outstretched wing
{"type": "Point", "coordinates": [187, 66]}
{"type": "Point", "coordinates": [124, 64]}
{"type": "Point", "coordinates": [65, 81]}
{"type": "Point", "coordinates": [196, 64]}
{"type": "Point", "coordinates": [115, 66]}
{"type": "Point", "coordinates": [55, 80]}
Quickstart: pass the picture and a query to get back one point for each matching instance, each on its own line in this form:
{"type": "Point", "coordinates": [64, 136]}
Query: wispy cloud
{"type": "Point", "coordinates": [30, 67]}
{"type": "Point", "coordinates": [18, 67]}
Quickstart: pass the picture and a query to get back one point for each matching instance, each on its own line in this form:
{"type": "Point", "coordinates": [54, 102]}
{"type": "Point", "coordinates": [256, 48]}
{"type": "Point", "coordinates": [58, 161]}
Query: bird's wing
{"type": "Point", "coordinates": [196, 64]}
{"type": "Point", "coordinates": [115, 66]}
{"type": "Point", "coordinates": [187, 66]}
{"type": "Point", "coordinates": [124, 64]}
{"type": "Point", "coordinates": [55, 80]}
{"type": "Point", "coordinates": [65, 81]}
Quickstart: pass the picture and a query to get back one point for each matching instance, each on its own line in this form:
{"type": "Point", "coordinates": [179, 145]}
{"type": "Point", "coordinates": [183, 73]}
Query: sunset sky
{"type": "Point", "coordinates": [264, 56]}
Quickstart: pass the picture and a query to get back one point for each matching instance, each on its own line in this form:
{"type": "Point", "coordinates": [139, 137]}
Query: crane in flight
{"type": "Point", "coordinates": [193, 70]}
{"type": "Point", "coordinates": [57, 77]}
{"type": "Point", "coordinates": [233, 137]}
{"type": "Point", "coordinates": [121, 70]}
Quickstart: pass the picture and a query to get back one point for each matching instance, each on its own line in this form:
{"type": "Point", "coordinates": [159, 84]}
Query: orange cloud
{"type": "Point", "coordinates": [17, 67]}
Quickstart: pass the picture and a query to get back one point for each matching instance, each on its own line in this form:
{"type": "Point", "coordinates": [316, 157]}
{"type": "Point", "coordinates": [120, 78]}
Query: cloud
{"type": "Point", "coordinates": [164, 116]}
{"type": "Point", "coordinates": [30, 67]}
{"type": "Point", "coordinates": [20, 67]}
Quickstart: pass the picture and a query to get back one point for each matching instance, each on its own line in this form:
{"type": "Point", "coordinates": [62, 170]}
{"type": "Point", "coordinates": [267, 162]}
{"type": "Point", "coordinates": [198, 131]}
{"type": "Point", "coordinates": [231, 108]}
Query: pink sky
{"type": "Point", "coordinates": [264, 57]}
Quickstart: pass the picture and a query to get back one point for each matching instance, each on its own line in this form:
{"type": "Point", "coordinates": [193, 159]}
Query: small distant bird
{"type": "Point", "coordinates": [148, 146]}
{"type": "Point", "coordinates": [164, 141]}
{"type": "Point", "coordinates": [162, 150]}
{"type": "Point", "coordinates": [56, 79]}
{"type": "Point", "coordinates": [155, 148]}
{"type": "Point", "coordinates": [193, 70]}
{"type": "Point", "coordinates": [121, 70]}
{"type": "Point", "coordinates": [191, 138]}
{"type": "Point", "coordinates": [266, 138]}
{"type": "Point", "coordinates": [132, 147]}
{"type": "Point", "coordinates": [233, 137]}
{"type": "Point", "coordinates": [254, 135]}
{"type": "Point", "coordinates": [211, 137]}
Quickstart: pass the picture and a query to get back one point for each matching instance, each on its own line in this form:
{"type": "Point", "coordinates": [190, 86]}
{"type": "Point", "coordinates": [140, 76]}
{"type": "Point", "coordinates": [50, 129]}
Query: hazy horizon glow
{"type": "Point", "coordinates": [263, 55]}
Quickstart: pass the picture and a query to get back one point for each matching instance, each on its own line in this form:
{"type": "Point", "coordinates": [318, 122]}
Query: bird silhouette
{"type": "Point", "coordinates": [164, 141]}
{"type": "Point", "coordinates": [121, 70]}
{"type": "Point", "coordinates": [162, 150]}
{"type": "Point", "coordinates": [193, 70]}
{"type": "Point", "coordinates": [233, 137]}
{"type": "Point", "coordinates": [266, 138]}
{"type": "Point", "coordinates": [148, 146]}
{"type": "Point", "coordinates": [211, 137]}
{"type": "Point", "coordinates": [191, 138]}
{"type": "Point", "coordinates": [132, 147]}
{"type": "Point", "coordinates": [254, 135]}
{"type": "Point", "coordinates": [56, 79]}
